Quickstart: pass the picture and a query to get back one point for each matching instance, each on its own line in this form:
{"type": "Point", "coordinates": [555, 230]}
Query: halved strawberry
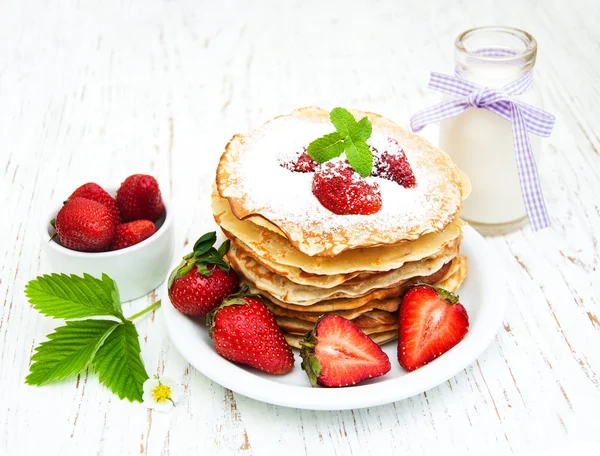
{"type": "Point", "coordinates": [337, 353]}
{"type": "Point", "coordinates": [391, 164]}
{"type": "Point", "coordinates": [431, 322]}
{"type": "Point", "coordinates": [301, 163]}
{"type": "Point", "coordinates": [343, 191]}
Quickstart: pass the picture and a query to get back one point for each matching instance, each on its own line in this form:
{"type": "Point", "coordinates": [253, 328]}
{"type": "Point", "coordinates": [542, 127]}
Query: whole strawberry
{"type": "Point", "coordinates": [343, 191]}
{"type": "Point", "coordinates": [203, 279]}
{"type": "Point", "coordinates": [85, 225]}
{"type": "Point", "coordinates": [244, 331]}
{"type": "Point", "coordinates": [96, 193]}
{"type": "Point", "coordinates": [139, 198]}
{"type": "Point", "coordinates": [431, 322]}
{"type": "Point", "coordinates": [132, 233]}
{"type": "Point", "coordinates": [337, 353]}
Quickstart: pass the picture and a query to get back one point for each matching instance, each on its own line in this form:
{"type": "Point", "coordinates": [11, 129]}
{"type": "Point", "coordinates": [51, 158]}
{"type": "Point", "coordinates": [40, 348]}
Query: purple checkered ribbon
{"type": "Point", "coordinates": [523, 117]}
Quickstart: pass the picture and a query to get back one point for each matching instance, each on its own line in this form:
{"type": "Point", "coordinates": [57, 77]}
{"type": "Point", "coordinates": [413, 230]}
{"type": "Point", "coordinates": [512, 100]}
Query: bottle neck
{"type": "Point", "coordinates": [494, 56]}
{"type": "Point", "coordinates": [491, 74]}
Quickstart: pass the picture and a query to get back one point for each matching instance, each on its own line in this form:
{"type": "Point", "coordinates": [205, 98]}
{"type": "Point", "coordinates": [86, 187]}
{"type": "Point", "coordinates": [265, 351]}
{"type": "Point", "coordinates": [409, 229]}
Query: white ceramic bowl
{"type": "Point", "coordinates": [138, 269]}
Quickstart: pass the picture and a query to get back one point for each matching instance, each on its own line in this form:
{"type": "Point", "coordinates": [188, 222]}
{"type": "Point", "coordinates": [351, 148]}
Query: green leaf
{"type": "Point", "coordinates": [205, 243]}
{"type": "Point", "coordinates": [343, 121]}
{"type": "Point", "coordinates": [362, 131]}
{"type": "Point", "coordinates": [310, 363]}
{"type": "Point", "coordinates": [119, 364]}
{"type": "Point", "coordinates": [359, 156]}
{"type": "Point", "coordinates": [447, 295]}
{"type": "Point", "coordinates": [224, 247]}
{"type": "Point", "coordinates": [326, 147]}
{"type": "Point", "coordinates": [63, 296]}
{"type": "Point", "coordinates": [68, 350]}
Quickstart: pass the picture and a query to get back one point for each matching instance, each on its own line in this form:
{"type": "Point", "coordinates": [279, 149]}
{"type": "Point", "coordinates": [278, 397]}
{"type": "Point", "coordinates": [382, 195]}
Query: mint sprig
{"type": "Point", "coordinates": [350, 137]}
{"type": "Point", "coordinates": [110, 344]}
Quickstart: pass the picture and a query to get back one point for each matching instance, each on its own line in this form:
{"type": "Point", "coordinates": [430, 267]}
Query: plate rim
{"type": "Point", "coordinates": [381, 391]}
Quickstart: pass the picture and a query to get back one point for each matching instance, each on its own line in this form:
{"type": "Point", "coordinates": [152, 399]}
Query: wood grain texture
{"type": "Point", "coordinates": [98, 90]}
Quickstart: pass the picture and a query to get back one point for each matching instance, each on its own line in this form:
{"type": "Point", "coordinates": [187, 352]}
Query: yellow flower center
{"type": "Point", "coordinates": [161, 393]}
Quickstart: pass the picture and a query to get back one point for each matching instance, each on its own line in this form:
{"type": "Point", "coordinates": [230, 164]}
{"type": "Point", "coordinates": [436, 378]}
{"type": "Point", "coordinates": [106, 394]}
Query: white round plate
{"type": "Point", "coordinates": [485, 308]}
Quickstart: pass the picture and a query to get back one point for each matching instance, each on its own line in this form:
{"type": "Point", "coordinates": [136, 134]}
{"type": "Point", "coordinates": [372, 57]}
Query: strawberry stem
{"type": "Point", "coordinates": [310, 363]}
{"type": "Point", "coordinates": [150, 308]}
{"type": "Point", "coordinates": [447, 295]}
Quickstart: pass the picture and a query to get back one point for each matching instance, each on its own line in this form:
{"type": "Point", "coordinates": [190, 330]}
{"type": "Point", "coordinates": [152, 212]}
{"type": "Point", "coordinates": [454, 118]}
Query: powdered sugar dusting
{"type": "Point", "coordinates": [285, 198]}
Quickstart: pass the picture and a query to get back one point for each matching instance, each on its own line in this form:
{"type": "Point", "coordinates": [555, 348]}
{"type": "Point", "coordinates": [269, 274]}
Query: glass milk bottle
{"type": "Point", "coordinates": [481, 142]}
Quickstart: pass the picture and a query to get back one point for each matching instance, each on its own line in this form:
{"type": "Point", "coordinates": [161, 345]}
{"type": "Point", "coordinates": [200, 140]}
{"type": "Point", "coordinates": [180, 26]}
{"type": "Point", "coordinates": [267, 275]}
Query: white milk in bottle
{"type": "Point", "coordinates": [481, 142]}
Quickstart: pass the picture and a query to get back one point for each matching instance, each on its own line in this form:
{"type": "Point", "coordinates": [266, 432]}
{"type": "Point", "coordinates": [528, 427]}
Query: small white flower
{"type": "Point", "coordinates": [161, 394]}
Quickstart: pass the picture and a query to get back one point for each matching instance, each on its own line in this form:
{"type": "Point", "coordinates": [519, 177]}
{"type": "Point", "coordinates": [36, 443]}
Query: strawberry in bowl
{"type": "Point", "coordinates": [87, 234]}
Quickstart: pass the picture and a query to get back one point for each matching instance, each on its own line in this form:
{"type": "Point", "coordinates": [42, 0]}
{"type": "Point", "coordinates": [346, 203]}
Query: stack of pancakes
{"type": "Point", "coordinates": [307, 261]}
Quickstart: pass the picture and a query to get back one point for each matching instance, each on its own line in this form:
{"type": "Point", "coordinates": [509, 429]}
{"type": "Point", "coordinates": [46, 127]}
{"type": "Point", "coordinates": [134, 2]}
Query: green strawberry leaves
{"type": "Point", "coordinates": [119, 365]}
{"type": "Point", "coordinates": [63, 296]}
{"type": "Point", "coordinates": [68, 350]}
{"type": "Point", "coordinates": [205, 243]}
{"type": "Point", "coordinates": [350, 137]}
{"type": "Point", "coordinates": [203, 255]}
{"type": "Point", "coordinates": [111, 344]}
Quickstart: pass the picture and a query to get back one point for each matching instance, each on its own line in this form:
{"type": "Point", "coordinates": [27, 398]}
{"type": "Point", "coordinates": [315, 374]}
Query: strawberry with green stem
{"type": "Point", "coordinates": [244, 331]}
{"type": "Point", "coordinates": [203, 279]}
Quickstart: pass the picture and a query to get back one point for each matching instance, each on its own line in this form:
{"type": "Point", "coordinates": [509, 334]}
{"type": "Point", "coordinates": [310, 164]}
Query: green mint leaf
{"type": "Point", "coordinates": [63, 296]}
{"type": "Point", "coordinates": [342, 120]}
{"type": "Point", "coordinates": [362, 131]}
{"type": "Point", "coordinates": [205, 243]}
{"type": "Point", "coordinates": [68, 350]}
{"type": "Point", "coordinates": [119, 364]}
{"type": "Point", "coordinates": [359, 156]}
{"type": "Point", "coordinates": [326, 147]}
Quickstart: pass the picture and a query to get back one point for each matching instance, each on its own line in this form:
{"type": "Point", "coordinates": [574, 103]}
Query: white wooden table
{"type": "Point", "coordinates": [98, 90]}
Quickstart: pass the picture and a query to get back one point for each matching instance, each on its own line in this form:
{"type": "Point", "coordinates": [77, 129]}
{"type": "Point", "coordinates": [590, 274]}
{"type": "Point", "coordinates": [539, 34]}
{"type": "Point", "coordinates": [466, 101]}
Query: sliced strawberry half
{"type": "Point", "coordinates": [343, 191]}
{"type": "Point", "coordinates": [391, 163]}
{"type": "Point", "coordinates": [301, 163]}
{"type": "Point", "coordinates": [337, 353]}
{"type": "Point", "coordinates": [431, 322]}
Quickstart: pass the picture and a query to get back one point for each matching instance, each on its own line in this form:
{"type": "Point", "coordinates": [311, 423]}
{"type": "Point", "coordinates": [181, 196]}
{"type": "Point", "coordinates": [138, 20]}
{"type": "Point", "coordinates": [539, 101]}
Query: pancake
{"type": "Point", "coordinates": [276, 250]}
{"type": "Point", "coordinates": [380, 338]}
{"type": "Point", "coordinates": [295, 326]}
{"type": "Point", "coordinates": [330, 305]}
{"type": "Point", "coordinates": [250, 177]}
{"type": "Point", "coordinates": [376, 318]}
{"type": "Point", "coordinates": [456, 275]}
{"type": "Point", "coordinates": [288, 291]}
{"type": "Point", "coordinates": [388, 306]}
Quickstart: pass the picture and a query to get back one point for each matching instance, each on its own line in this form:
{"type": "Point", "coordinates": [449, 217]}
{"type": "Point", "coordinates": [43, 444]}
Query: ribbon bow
{"type": "Point", "coordinates": [523, 117]}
